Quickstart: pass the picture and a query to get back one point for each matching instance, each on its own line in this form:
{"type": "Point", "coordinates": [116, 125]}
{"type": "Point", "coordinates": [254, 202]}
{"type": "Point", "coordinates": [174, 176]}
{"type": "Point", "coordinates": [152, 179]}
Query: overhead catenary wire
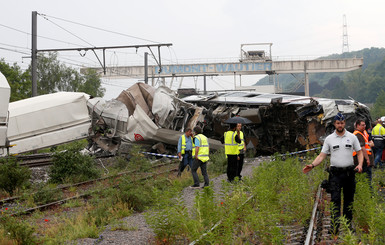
{"type": "Point", "coordinates": [15, 51]}
{"type": "Point", "coordinates": [73, 34]}
{"type": "Point", "coordinates": [98, 28]}
{"type": "Point", "coordinates": [48, 38]}
{"type": "Point", "coordinates": [14, 46]}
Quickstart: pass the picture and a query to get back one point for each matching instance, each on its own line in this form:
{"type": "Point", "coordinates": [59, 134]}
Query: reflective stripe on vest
{"type": "Point", "coordinates": [366, 138]}
{"type": "Point", "coordinates": [241, 146]}
{"type": "Point", "coordinates": [182, 151]}
{"type": "Point", "coordinates": [231, 146]}
{"type": "Point", "coordinates": [203, 153]}
{"type": "Point", "coordinates": [376, 132]}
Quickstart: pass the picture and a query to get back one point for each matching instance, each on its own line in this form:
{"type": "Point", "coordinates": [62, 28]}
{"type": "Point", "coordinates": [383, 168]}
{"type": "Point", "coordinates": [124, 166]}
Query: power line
{"type": "Point", "coordinates": [67, 30]}
{"type": "Point", "coordinates": [15, 51]}
{"type": "Point", "coordinates": [48, 38]}
{"type": "Point", "coordinates": [13, 46]}
{"type": "Point", "coordinates": [98, 28]}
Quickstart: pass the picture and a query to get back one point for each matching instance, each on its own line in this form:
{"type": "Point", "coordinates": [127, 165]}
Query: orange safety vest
{"type": "Point", "coordinates": [366, 137]}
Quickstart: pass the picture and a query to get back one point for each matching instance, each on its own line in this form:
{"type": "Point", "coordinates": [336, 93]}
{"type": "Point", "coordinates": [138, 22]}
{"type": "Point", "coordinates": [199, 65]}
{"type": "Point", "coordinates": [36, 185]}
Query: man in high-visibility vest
{"type": "Point", "coordinates": [232, 141]}
{"type": "Point", "coordinates": [378, 135]}
{"type": "Point", "coordinates": [200, 154]}
{"type": "Point", "coordinates": [185, 150]}
{"type": "Point", "coordinates": [366, 147]}
{"type": "Point", "coordinates": [242, 150]}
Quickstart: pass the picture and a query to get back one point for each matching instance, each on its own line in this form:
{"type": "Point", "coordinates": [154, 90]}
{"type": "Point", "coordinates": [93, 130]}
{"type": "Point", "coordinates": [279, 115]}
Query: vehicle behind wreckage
{"type": "Point", "coordinates": [281, 122]}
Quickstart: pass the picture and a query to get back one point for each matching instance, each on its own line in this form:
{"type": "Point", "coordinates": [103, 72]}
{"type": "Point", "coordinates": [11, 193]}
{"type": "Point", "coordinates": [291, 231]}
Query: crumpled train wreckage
{"type": "Point", "coordinates": [281, 123]}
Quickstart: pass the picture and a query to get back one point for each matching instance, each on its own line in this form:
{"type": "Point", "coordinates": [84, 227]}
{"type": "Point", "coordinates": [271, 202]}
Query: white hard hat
{"type": "Point", "coordinates": [383, 119]}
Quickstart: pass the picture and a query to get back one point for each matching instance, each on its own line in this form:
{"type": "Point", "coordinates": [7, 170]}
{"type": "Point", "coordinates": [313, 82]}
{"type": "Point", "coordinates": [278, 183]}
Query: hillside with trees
{"type": "Point", "coordinates": [343, 85]}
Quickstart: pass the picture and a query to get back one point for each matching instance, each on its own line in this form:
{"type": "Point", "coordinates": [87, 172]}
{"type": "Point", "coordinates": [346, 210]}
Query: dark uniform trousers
{"type": "Point", "coordinates": [203, 165]}
{"type": "Point", "coordinates": [232, 167]}
{"type": "Point", "coordinates": [342, 178]}
{"type": "Point", "coordinates": [240, 165]}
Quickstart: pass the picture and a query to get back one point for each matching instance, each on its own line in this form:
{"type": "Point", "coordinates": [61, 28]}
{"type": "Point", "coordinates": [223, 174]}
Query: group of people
{"type": "Point", "coordinates": [193, 152]}
{"type": "Point", "coordinates": [350, 153]}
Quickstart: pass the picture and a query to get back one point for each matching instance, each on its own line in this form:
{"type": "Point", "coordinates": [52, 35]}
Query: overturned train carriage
{"type": "Point", "coordinates": [280, 122]}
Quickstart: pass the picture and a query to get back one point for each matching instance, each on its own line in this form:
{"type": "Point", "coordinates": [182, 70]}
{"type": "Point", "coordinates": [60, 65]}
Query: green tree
{"type": "Point", "coordinates": [19, 81]}
{"type": "Point", "coordinates": [378, 109]}
{"type": "Point", "coordinates": [53, 76]}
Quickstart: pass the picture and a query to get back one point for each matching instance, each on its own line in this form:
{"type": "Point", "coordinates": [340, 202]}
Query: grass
{"type": "Point", "coordinates": [281, 195]}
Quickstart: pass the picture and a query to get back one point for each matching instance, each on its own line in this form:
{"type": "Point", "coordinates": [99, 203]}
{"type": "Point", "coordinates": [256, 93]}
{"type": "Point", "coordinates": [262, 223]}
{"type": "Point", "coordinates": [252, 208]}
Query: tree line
{"type": "Point", "coordinates": [52, 76]}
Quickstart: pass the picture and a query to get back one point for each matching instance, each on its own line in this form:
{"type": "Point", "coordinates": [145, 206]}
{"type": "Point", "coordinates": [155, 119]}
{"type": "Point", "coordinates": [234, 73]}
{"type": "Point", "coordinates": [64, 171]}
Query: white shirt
{"type": "Point", "coordinates": [341, 149]}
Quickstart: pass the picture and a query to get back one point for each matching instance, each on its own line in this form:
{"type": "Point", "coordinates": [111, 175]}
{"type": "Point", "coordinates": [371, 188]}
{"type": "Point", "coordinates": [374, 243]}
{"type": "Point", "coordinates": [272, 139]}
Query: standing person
{"type": "Point", "coordinates": [340, 145]}
{"type": "Point", "coordinates": [231, 141]}
{"type": "Point", "coordinates": [365, 143]}
{"type": "Point", "coordinates": [200, 153]}
{"type": "Point", "coordinates": [185, 150]}
{"type": "Point", "coordinates": [242, 150]}
{"type": "Point", "coordinates": [378, 134]}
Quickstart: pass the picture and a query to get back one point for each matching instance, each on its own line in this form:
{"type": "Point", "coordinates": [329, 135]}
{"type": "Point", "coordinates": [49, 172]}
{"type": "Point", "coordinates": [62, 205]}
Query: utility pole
{"type": "Point", "coordinates": [345, 43]}
{"type": "Point", "coordinates": [146, 68]}
{"type": "Point", "coordinates": [34, 54]}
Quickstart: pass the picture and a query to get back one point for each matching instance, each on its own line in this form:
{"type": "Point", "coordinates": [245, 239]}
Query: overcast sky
{"type": "Point", "coordinates": [210, 30]}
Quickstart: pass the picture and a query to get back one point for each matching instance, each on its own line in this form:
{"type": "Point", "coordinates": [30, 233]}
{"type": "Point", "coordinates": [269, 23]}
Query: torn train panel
{"type": "Point", "coordinates": [141, 114]}
{"type": "Point", "coordinates": [281, 122]}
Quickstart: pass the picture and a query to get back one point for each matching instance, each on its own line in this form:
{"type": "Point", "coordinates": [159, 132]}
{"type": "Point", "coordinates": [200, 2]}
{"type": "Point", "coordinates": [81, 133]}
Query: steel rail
{"type": "Point", "coordinates": [310, 232]}
{"type": "Point", "coordinates": [59, 202]}
{"type": "Point", "coordinates": [11, 199]}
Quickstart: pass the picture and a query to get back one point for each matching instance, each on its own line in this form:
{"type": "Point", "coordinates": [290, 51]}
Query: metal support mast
{"type": "Point", "coordinates": [34, 54]}
{"type": "Point", "coordinates": [345, 43]}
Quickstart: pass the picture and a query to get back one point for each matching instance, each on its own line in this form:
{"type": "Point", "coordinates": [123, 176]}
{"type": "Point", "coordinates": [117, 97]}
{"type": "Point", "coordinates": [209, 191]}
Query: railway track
{"type": "Point", "coordinates": [318, 227]}
{"type": "Point", "coordinates": [87, 192]}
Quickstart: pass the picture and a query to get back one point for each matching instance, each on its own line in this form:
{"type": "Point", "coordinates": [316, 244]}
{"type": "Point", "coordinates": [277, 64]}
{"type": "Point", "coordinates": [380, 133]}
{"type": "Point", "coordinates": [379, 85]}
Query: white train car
{"type": "Point", "coordinates": [5, 92]}
{"type": "Point", "coordinates": [47, 120]}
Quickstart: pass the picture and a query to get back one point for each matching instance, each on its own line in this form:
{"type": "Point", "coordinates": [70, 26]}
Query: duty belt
{"type": "Point", "coordinates": [334, 169]}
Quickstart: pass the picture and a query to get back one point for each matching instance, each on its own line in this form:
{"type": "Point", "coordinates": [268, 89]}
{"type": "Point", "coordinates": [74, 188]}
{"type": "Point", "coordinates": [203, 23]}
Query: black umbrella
{"type": "Point", "coordinates": [235, 120]}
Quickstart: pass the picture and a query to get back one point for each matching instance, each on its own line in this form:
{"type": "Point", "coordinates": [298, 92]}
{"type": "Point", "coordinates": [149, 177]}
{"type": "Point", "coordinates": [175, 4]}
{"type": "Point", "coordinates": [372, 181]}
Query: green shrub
{"type": "Point", "coordinates": [13, 176]}
{"type": "Point", "coordinates": [136, 196]}
{"type": "Point", "coordinates": [137, 159]}
{"type": "Point", "coordinates": [46, 194]}
{"type": "Point", "coordinates": [218, 162]}
{"type": "Point", "coordinates": [71, 165]}
{"type": "Point", "coordinates": [18, 230]}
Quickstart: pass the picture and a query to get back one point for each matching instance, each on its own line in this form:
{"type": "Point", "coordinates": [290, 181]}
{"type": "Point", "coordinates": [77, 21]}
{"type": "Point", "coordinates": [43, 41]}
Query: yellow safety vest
{"type": "Point", "coordinates": [241, 146]}
{"type": "Point", "coordinates": [378, 132]}
{"type": "Point", "coordinates": [183, 148]}
{"type": "Point", "coordinates": [203, 153]}
{"type": "Point", "coordinates": [231, 146]}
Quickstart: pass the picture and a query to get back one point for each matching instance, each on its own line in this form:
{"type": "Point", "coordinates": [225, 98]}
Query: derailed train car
{"type": "Point", "coordinates": [280, 122]}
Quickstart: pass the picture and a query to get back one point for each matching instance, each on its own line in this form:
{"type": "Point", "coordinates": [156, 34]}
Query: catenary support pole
{"type": "Point", "coordinates": [34, 54]}
{"type": "Point", "coordinates": [145, 67]}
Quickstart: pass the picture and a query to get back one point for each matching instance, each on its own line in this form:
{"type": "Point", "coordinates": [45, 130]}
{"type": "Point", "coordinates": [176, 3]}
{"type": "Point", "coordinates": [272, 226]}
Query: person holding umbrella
{"type": "Point", "coordinates": [231, 141]}
{"type": "Point", "coordinates": [242, 150]}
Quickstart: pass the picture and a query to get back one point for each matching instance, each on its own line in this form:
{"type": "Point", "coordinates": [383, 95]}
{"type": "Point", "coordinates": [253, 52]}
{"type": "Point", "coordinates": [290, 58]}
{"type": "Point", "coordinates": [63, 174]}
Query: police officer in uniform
{"type": "Point", "coordinates": [340, 145]}
{"type": "Point", "coordinates": [201, 156]}
{"type": "Point", "coordinates": [232, 141]}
